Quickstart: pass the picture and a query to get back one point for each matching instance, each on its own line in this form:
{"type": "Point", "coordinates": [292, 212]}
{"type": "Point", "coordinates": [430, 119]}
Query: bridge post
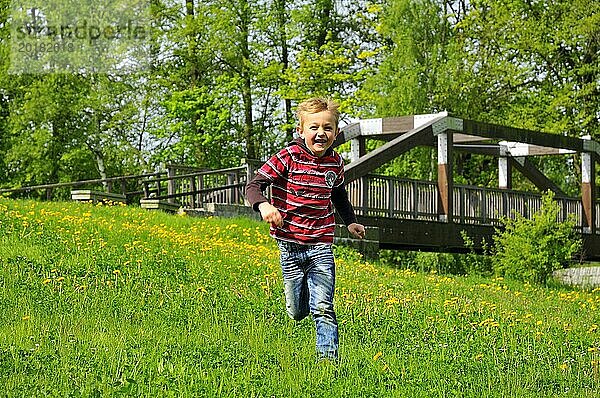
{"type": "Point", "coordinates": [357, 148]}
{"type": "Point", "coordinates": [445, 179]}
{"type": "Point", "coordinates": [171, 185]}
{"type": "Point", "coordinates": [588, 190]}
{"type": "Point", "coordinates": [504, 169]}
{"type": "Point", "coordinates": [504, 176]}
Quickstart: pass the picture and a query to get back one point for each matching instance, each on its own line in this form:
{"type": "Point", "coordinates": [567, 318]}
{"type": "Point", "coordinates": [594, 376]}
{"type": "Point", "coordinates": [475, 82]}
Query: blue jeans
{"type": "Point", "coordinates": [309, 284]}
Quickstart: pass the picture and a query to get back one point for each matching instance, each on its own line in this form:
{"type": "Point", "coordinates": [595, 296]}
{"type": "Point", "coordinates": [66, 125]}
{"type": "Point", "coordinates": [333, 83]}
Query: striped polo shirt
{"type": "Point", "coordinates": [301, 186]}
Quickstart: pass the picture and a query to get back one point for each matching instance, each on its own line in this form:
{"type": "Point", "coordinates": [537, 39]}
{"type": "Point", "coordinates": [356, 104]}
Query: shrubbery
{"type": "Point", "coordinates": [442, 263]}
{"type": "Point", "coordinates": [524, 249]}
{"type": "Point", "coordinates": [530, 250]}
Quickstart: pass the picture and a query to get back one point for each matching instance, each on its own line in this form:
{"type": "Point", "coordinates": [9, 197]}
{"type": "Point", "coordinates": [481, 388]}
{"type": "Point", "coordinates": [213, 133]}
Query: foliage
{"type": "Point", "coordinates": [102, 301]}
{"type": "Point", "coordinates": [224, 77]}
{"type": "Point", "coordinates": [440, 263]}
{"type": "Point", "coordinates": [477, 263]}
{"type": "Point", "coordinates": [540, 73]}
{"type": "Point", "coordinates": [531, 249]}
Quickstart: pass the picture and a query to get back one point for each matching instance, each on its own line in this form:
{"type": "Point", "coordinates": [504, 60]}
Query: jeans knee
{"type": "Point", "coordinates": [297, 315]}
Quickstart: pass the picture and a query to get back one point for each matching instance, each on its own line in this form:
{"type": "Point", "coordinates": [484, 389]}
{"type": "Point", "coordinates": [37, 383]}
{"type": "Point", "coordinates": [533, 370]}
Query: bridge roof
{"type": "Point", "coordinates": [469, 135]}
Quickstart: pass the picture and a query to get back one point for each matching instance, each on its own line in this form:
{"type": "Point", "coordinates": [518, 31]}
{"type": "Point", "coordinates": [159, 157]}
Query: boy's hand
{"type": "Point", "coordinates": [270, 214]}
{"type": "Point", "coordinates": [357, 230]}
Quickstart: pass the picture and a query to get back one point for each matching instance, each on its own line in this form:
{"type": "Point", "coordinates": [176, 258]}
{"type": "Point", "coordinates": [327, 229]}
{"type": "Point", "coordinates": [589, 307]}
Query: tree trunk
{"type": "Point", "coordinates": [251, 150]}
{"type": "Point", "coordinates": [282, 18]}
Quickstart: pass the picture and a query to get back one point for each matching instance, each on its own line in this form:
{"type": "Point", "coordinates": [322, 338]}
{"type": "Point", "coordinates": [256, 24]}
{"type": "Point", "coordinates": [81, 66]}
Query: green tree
{"type": "Point", "coordinates": [412, 78]}
{"type": "Point", "coordinates": [541, 73]}
{"type": "Point", "coordinates": [336, 47]}
{"type": "Point", "coordinates": [4, 94]}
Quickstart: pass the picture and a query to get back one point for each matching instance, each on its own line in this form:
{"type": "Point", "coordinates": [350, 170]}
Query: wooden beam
{"type": "Point", "coordinates": [397, 125]}
{"type": "Point", "coordinates": [347, 133]}
{"type": "Point", "coordinates": [505, 172]}
{"type": "Point", "coordinates": [588, 191]}
{"type": "Point", "coordinates": [481, 149]}
{"type": "Point", "coordinates": [538, 179]}
{"type": "Point", "coordinates": [403, 234]}
{"type": "Point", "coordinates": [357, 148]}
{"type": "Point", "coordinates": [520, 149]}
{"type": "Point", "coordinates": [397, 233]}
{"type": "Point", "coordinates": [496, 131]}
{"type": "Point", "coordinates": [460, 138]}
{"type": "Point", "coordinates": [445, 178]}
{"type": "Point", "coordinates": [380, 156]}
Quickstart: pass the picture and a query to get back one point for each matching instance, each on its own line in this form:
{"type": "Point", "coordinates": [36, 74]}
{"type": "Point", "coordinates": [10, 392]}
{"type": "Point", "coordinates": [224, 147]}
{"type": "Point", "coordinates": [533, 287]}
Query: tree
{"type": "Point", "coordinates": [531, 64]}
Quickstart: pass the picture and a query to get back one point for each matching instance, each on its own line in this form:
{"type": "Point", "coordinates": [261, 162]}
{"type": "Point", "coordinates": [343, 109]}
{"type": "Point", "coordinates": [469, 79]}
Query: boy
{"type": "Point", "coordinates": [307, 177]}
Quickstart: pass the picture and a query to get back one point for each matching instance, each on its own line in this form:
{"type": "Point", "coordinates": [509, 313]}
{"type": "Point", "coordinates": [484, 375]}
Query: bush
{"type": "Point", "coordinates": [530, 250]}
{"type": "Point", "coordinates": [474, 263]}
{"type": "Point", "coordinates": [442, 263]}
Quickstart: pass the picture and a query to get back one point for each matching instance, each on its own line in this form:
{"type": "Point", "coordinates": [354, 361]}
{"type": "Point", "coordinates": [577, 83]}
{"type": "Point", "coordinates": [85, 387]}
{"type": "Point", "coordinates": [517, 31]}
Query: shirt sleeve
{"type": "Point", "coordinates": [339, 198]}
{"type": "Point", "coordinates": [255, 189]}
{"type": "Point", "coordinates": [274, 169]}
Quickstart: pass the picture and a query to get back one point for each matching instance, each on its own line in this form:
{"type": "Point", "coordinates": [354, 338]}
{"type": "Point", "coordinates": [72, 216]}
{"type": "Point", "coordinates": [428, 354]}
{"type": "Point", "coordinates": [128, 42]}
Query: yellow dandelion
{"type": "Point", "coordinates": [60, 279]}
{"type": "Point", "coordinates": [117, 272]}
{"type": "Point", "coordinates": [26, 318]}
{"type": "Point", "coordinates": [377, 356]}
{"type": "Point", "coordinates": [564, 366]}
{"type": "Point", "coordinates": [478, 357]}
{"type": "Point", "coordinates": [46, 281]}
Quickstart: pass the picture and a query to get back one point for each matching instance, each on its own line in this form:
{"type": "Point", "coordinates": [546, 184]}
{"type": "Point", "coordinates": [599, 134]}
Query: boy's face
{"type": "Point", "coordinates": [318, 131]}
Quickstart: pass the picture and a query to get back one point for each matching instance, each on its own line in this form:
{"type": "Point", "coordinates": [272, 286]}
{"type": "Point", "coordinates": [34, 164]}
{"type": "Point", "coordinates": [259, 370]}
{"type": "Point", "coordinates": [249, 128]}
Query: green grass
{"type": "Point", "coordinates": [117, 301]}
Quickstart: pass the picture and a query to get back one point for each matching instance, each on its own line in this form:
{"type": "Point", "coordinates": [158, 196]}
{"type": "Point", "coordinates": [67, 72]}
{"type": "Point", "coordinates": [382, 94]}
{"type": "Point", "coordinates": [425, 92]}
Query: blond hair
{"type": "Point", "coordinates": [316, 105]}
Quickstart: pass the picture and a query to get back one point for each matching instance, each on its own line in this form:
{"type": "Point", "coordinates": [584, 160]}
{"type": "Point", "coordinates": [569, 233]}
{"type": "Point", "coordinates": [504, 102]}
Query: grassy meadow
{"type": "Point", "coordinates": [100, 301]}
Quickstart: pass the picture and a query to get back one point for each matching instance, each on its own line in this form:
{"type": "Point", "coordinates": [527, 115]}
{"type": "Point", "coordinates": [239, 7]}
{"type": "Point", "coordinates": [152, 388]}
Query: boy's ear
{"type": "Point", "coordinates": [299, 130]}
{"type": "Point", "coordinates": [338, 131]}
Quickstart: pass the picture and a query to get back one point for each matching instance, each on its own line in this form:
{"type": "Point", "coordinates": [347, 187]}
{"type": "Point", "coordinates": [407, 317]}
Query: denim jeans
{"type": "Point", "coordinates": [309, 283]}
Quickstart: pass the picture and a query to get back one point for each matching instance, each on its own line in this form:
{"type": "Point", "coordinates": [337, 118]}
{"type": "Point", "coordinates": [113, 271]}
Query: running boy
{"type": "Point", "coordinates": [307, 178]}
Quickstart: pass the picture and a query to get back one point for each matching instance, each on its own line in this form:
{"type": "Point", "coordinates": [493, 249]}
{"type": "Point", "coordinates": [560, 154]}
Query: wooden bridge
{"type": "Point", "coordinates": [399, 213]}
{"type": "Point", "coordinates": [433, 215]}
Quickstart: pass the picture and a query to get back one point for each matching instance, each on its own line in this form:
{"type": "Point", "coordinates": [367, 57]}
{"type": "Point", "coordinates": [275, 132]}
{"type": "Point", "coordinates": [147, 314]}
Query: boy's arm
{"type": "Point", "coordinates": [254, 194]}
{"type": "Point", "coordinates": [255, 189]}
{"type": "Point", "coordinates": [339, 198]}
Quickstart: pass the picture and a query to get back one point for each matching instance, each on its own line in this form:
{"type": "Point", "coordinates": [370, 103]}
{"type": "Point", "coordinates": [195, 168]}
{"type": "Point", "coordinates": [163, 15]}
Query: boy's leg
{"type": "Point", "coordinates": [295, 284]}
{"type": "Point", "coordinates": [321, 285]}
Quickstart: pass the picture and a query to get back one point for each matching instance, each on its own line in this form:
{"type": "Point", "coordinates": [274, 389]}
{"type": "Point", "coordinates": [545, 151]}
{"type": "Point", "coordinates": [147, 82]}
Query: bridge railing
{"type": "Point", "coordinates": [130, 186]}
{"type": "Point", "coordinates": [393, 197]}
{"type": "Point", "coordinates": [477, 205]}
{"type": "Point", "coordinates": [192, 188]}
{"type": "Point", "coordinates": [415, 199]}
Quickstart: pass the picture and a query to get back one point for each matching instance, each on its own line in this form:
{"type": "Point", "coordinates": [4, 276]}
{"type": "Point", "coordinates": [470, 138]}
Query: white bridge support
{"type": "Point", "coordinates": [588, 190]}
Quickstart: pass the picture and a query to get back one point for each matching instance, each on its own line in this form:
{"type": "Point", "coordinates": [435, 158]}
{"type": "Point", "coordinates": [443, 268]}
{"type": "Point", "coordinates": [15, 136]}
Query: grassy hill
{"type": "Point", "coordinates": [112, 301]}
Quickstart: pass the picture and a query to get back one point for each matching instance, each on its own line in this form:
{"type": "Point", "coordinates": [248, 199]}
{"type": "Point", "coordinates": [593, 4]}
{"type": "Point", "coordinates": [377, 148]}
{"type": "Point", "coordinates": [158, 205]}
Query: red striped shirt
{"type": "Point", "coordinates": [301, 190]}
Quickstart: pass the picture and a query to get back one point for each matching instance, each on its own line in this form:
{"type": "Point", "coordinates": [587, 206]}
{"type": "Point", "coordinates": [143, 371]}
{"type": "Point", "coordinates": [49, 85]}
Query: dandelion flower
{"type": "Point", "coordinates": [564, 366]}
